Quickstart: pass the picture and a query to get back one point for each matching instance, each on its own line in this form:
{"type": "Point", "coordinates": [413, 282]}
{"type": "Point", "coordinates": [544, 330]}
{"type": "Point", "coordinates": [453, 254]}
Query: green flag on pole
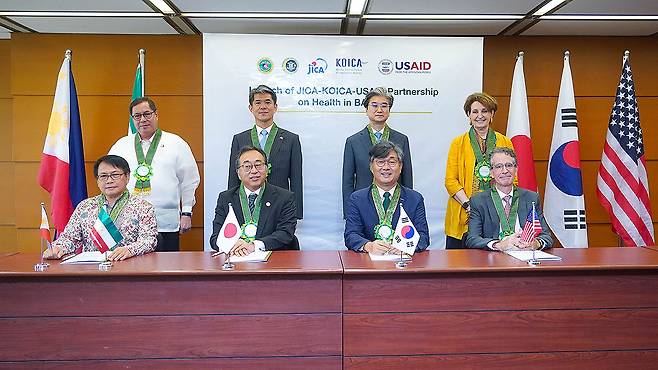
{"type": "Point", "coordinates": [138, 89]}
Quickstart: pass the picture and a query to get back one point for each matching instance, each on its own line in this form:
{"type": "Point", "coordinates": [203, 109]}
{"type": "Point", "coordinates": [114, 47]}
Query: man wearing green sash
{"type": "Point", "coordinates": [356, 162]}
{"type": "Point", "coordinates": [373, 212]}
{"type": "Point", "coordinates": [131, 219]}
{"type": "Point", "coordinates": [265, 212]}
{"type": "Point", "coordinates": [498, 215]}
{"type": "Point", "coordinates": [163, 171]}
{"type": "Point", "coordinates": [282, 147]}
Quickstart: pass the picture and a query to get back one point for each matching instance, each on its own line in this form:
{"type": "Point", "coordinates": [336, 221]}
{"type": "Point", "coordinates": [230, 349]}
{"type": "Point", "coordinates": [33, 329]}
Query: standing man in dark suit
{"type": "Point", "coordinates": [497, 216]}
{"type": "Point", "coordinates": [271, 209]}
{"type": "Point", "coordinates": [356, 164]}
{"type": "Point", "coordinates": [282, 147]}
{"type": "Point", "coordinates": [372, 213]}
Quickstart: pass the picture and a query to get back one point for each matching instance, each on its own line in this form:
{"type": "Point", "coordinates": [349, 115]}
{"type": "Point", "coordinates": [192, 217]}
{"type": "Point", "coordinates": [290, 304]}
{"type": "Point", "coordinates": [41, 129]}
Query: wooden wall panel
{"type": "Point", "coordinates": [142, 337]}
{"type": "Point", "coordinates": [500, 332]}
{"type": "Point", "coordinates": [105, 64]}
{"type": "Point", "coordinates": [6, 128]}
{"type": "Point", "coordinates": [601, 360]}
{"type": "Point", "coordinates": [5, 71]}
{"type": "Point", "coordinates": [7, 210]}
{"type": "Point", "coordinates": [145, 296]}
{"type": "Point", "coordinates": [595, 64]}
{"type": "Point", "coordinates": [8, 238]}
{"type": "Point", "coordinates": [426, 293]}
{"type": "Point", "coordinates": [272, 363]}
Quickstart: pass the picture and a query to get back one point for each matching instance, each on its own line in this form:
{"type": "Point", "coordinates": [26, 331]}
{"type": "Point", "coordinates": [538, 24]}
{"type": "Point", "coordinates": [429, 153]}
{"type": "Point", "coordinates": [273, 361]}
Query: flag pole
{"type": "Point", "coordinates": [41, 266]}
{"type": "Point", "coordinates": [142, 59]}
{"type": "Point", "coordinates": [533, 261]}
{"type": "Point", "coordinates": [520, 55]}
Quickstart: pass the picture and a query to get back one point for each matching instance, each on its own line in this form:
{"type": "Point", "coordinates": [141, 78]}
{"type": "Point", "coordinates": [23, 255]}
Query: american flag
{"type": "Point", "coordinates": [532, 226]}
{"type": "Point", "coordinates": [622, 185]}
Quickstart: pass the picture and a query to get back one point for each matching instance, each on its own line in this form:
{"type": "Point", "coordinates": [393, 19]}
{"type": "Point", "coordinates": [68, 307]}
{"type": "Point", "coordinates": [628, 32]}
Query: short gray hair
{"type": "Point", "coordinates": [261, 89]}
{"type": "Point", "coordinates": [502, 150]}
{"type": "Point", "coordinates": [378, 91]}
{"type": "Point", "coordinates": [382, 148]}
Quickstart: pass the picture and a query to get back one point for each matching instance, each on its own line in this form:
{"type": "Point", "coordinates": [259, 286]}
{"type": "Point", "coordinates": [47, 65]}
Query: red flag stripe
{"type": "Point", "coordinates": [630, 190]}
{"type": "Point", "coordinates": [98, 241]}
{"type": "Point", "coordinates": [624, 204]}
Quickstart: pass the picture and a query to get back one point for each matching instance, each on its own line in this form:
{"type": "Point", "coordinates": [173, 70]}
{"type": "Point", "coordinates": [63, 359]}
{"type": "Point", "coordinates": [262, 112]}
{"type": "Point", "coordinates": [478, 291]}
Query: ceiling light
{"type": "Point", "coordinates": [600, 17]}
{"type": "Point", "coordinates": [357, 7]}
{"type": "Point", "coordinates": [461, 17]}
{"type": "Point", "coordinates": [548, 7]}
{"type": "Point", "coordinates": [163, 6]}
{"type": "Point", "coordinates": [264, 15]}
{"type": "Point", "coordinates": [79, 14]}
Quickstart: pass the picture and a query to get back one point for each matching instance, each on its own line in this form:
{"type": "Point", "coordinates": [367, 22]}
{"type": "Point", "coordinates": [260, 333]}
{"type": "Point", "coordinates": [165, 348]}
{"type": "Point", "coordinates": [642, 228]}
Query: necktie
{"type": "Point", "coordinates": [378, 135]}
{"type": "Point", "coordinates": [508, 205]}
{"type": "Point", "coordinates": [263, 138]}
{"type": "Point", "coordinates": [387, 200]}
{"type": "Point", "coordinates": [252, 202]}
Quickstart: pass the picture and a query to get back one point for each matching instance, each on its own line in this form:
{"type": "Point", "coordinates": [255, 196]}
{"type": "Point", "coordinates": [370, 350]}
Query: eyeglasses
{"type": "Point", "coordinates": [114, 176]}
{"type": "Point", "coordinates": [383, 106]}
{"type": "Point", "coordinates": [147, 115]}
{"type": "Point", "coordinates": [247, 167]}
{"type": "Point", "coordinates": [382, 162]}
{"type": "Point", "coordinates": [508, 165]}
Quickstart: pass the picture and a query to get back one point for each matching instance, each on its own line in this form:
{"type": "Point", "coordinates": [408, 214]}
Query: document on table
{"type": "Point", "coordinates": [539, 255]}
{"type": "Point", "coordinates": [86, 257]}
{"type": "Point", "coordinates": [255, 256]}
{"type": "Point", "coordinates": [388, 257]}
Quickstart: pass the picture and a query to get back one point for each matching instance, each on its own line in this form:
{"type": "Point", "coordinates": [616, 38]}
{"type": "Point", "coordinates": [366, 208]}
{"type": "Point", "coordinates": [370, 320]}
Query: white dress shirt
{"type": "Point", "coordinates": [174, 180]}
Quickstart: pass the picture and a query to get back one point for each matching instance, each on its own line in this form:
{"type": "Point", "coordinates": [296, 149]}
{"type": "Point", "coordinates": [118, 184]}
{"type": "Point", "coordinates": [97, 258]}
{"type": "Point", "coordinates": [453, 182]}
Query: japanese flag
{"type": "Point", "coordinates": [229, 233]}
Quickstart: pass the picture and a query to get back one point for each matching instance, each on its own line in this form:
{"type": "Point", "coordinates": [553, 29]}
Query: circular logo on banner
{"type": "Point", "coordinates": [290, 65]}
{"type": "Point", "coordinates": [565, 169]}
{"type": "Point", "coordinates": [385, 66]}
{"type": "Point", "coordinates": [265, 65]}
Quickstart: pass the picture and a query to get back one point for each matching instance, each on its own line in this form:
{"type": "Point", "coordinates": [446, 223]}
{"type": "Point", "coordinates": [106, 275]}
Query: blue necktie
{"type": "Point", "coordinates": [263, 139]}
{"type": "Point", "coordinates": [378, 135]}
{"type": "Point", "coordinates": [252, 202]}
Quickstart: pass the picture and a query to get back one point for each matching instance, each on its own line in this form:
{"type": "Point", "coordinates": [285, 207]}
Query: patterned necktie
{"type": "Point", "coordinates": [252, 202]}
{"type": "Point", "coordinates": [387, 200]}
{"type": "Point", "coordinates": [508, 205]}
{"type": "Point", "coordinates": [378, 135]}
{"type": "Point", "coordinates": [263, 138]}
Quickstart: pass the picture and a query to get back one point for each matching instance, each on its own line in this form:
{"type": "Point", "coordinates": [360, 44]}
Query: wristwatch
{"type": "Point", "coordinates": [466, 204]}
{"type": "Point", "coordinates": [189, 214]}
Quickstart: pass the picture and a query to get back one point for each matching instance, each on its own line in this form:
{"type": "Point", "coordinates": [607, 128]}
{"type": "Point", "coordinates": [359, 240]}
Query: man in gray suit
{"type": "Point", "coordinates": [497, 217]}
{"type": "Point", "coordinates": [356, 161]}
{"type": "Point", "coordinates": [284, 152]}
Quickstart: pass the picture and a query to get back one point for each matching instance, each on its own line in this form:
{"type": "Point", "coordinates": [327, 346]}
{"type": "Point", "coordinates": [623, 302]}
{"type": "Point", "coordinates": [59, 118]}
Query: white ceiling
{"type": "Point", "coordinates": [513, 17]}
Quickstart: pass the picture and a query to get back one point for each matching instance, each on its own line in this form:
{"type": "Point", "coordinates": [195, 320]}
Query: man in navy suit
{"type": "Point", "coordinates": [271, 220]}
{"type": "Point", "coordinates": [372, 213]}
{"type": "Point", "coordinates": [282, 147]}
{"type": "Point", "coordinates": [506, 203]}
{"type": "Point", "coordinates": [356, 162]}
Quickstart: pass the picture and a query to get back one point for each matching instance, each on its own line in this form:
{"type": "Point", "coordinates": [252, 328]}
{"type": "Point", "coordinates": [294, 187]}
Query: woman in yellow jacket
{"type": "Point", "coordinates": [468, 169]}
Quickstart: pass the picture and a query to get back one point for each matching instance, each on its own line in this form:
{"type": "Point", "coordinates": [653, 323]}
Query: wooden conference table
{"type": "Point", "coordinates": [455, 309]}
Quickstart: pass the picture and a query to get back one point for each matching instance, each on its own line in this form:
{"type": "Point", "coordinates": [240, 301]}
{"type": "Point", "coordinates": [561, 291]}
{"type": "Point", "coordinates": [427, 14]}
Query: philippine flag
{"type": "Point", "coordinates": [62, 170]}
{"type": "Point", "coordinates": [564, 200]}
{"type": "Point", "coordinates": [229, 233]}
{"type": "Point", "coordinates": [518, 128]}
{"type": "Point", "coordinates": [44, 229]}
{"type": "Point", "coordinates": [406, 236]}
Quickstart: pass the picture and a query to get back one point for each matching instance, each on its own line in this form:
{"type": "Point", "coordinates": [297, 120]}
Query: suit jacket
{"type": "Point", "coordinates": [277, 221]}
{"type": "Point", "coordinates": [356, 163]}
{"type": "Point", "coordinates": [362, 217]}
{"type": "Point", "coordinates": [484, 223]}
{"type": "Point", "coordinates": [286, 160]}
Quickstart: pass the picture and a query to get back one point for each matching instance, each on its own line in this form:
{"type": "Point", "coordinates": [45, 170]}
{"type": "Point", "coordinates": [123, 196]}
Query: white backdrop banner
{"type": "Point", "coordinates": [320, 81]}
